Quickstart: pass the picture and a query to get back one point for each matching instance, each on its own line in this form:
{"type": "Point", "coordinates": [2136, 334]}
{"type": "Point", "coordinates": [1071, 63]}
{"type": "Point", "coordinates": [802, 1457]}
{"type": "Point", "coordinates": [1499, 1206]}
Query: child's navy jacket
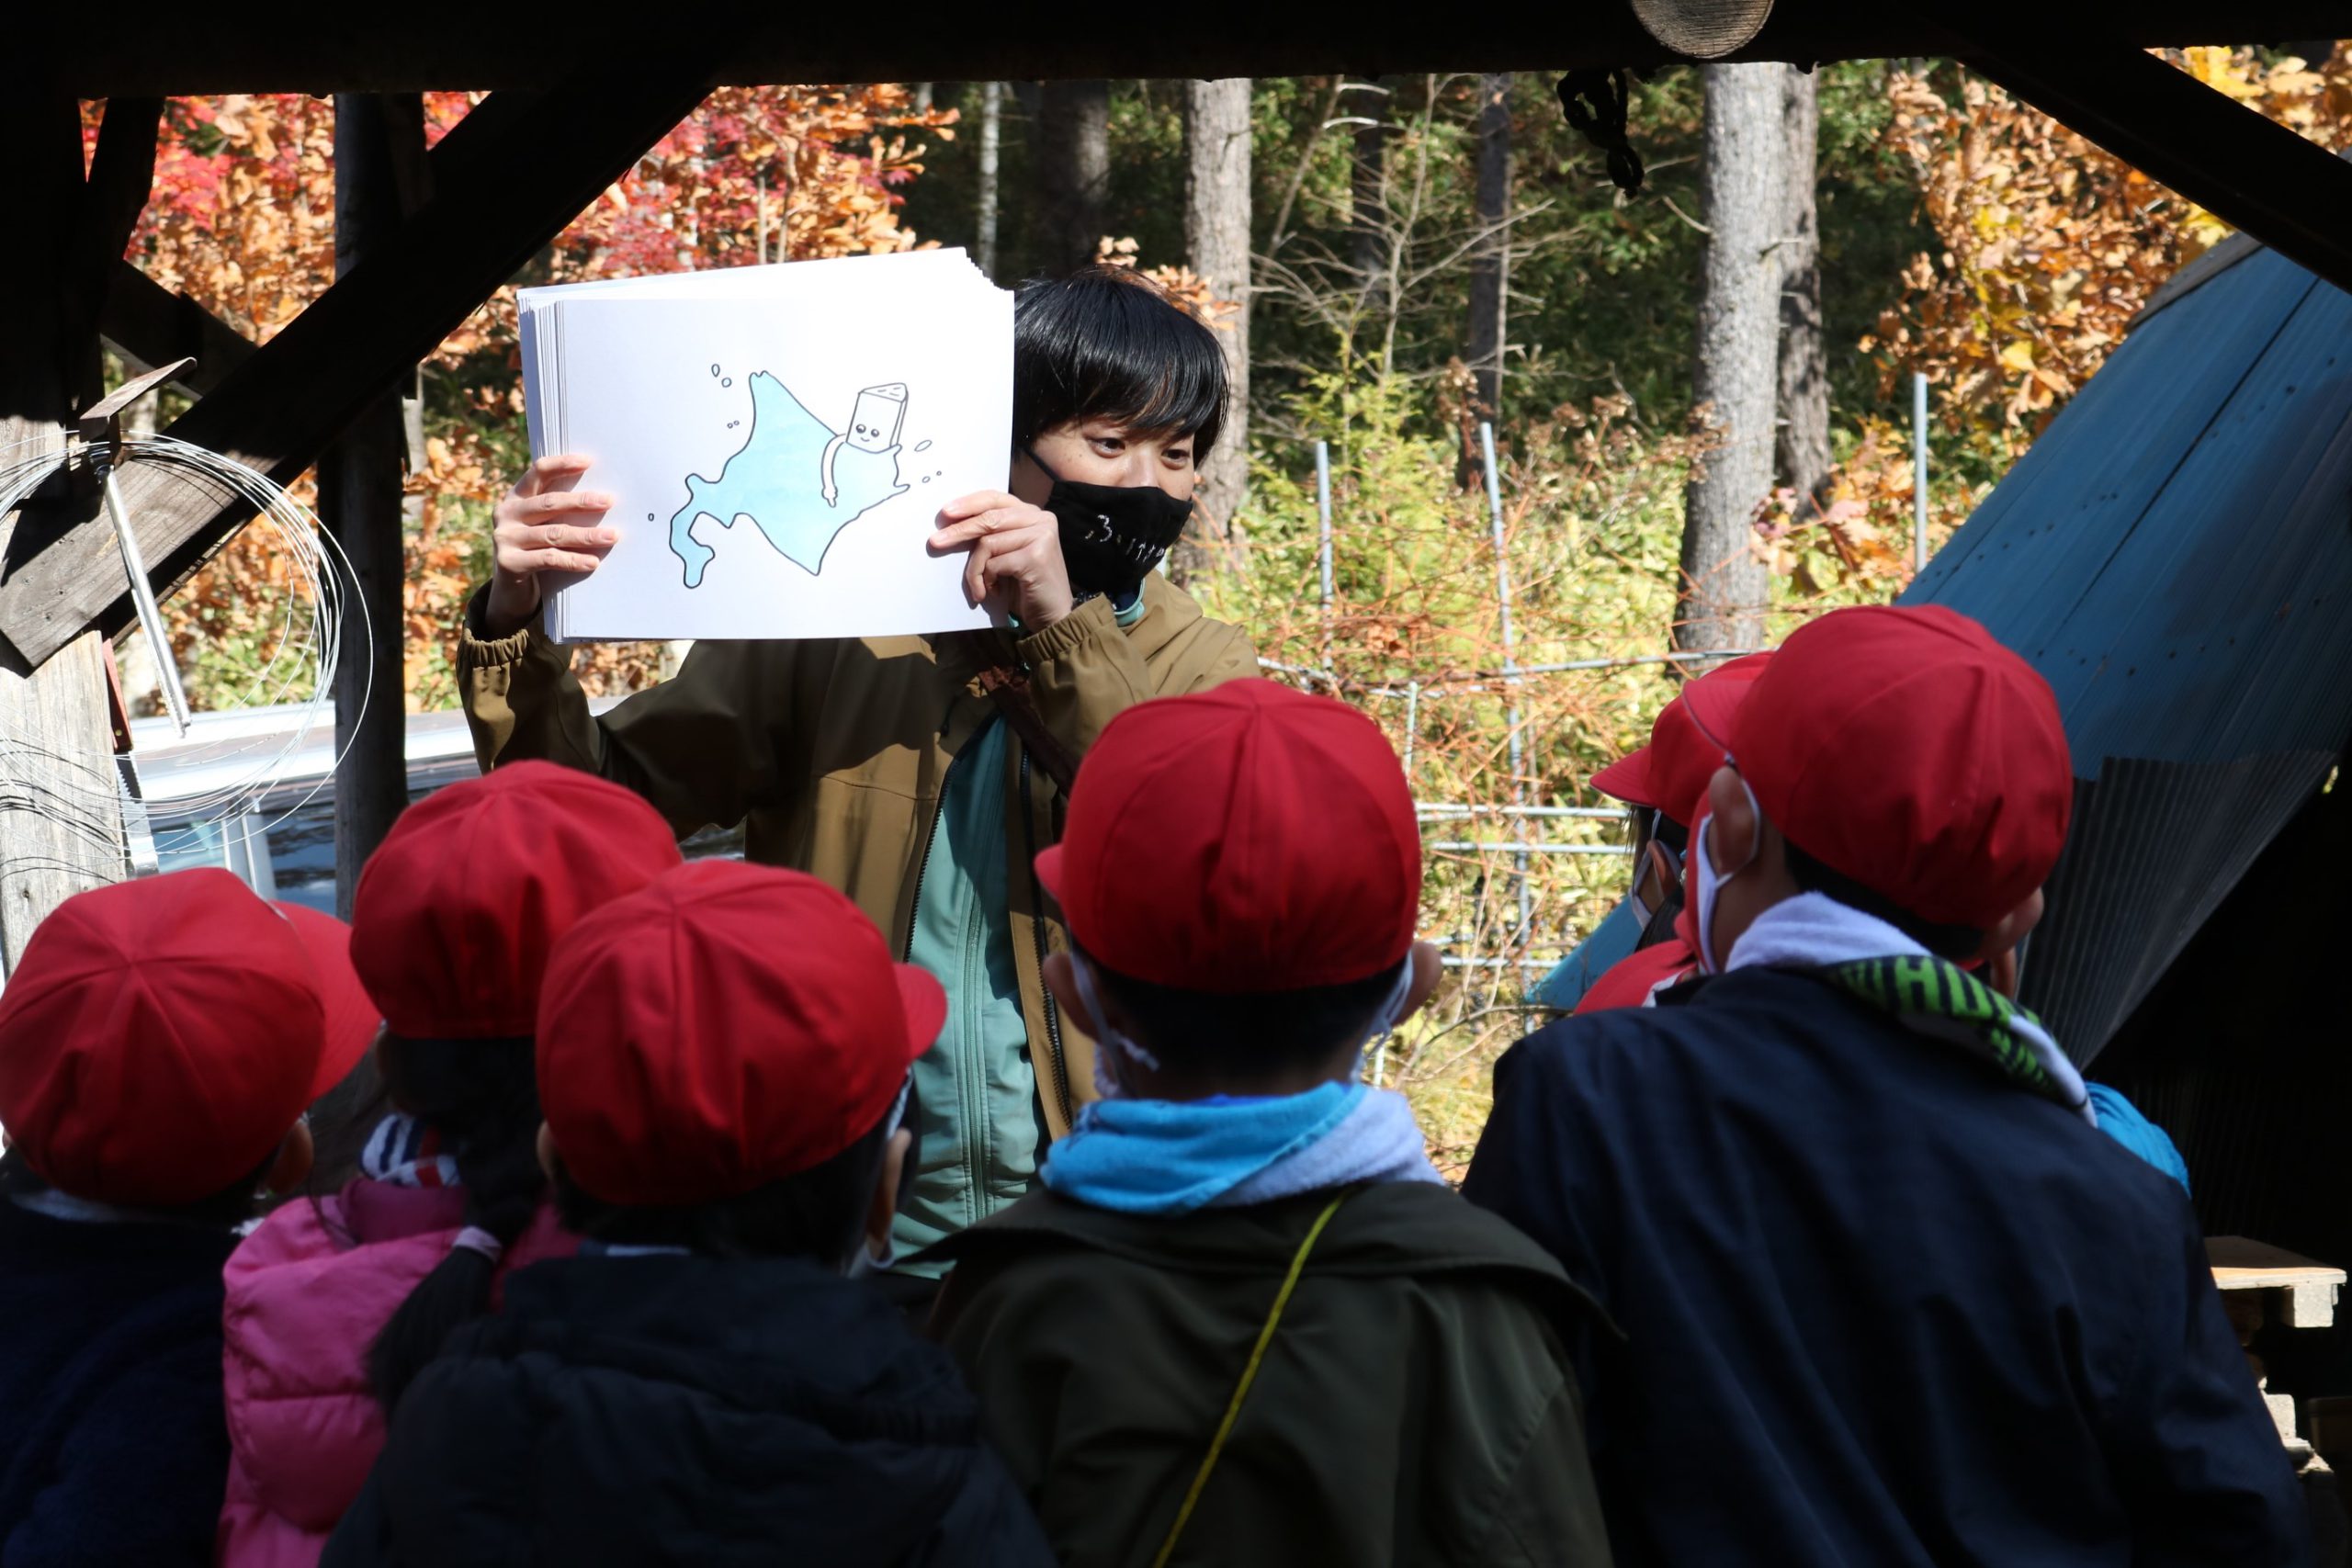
{"type": "Point", "coordinates": [1884, 1308]}
{"type": "Point", "coordinates": [694, 1410]}
{"type": "Point", "coordinates": [113, 1447]}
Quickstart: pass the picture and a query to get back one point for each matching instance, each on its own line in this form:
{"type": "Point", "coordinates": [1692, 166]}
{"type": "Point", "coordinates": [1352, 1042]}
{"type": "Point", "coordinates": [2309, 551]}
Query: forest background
{"type": "Point", "coordinates": [1421, 253]}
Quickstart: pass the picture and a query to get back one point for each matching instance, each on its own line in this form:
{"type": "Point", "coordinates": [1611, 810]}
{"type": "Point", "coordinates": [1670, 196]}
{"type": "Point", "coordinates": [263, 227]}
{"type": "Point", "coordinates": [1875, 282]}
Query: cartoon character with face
{"type": "Point", "coordinates": [874, 427]}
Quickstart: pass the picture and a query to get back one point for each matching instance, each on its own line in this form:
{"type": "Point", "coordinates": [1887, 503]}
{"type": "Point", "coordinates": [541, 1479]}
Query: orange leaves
{"type": "Point", "coordinates": [1182, 283]}
{"type": "Point", "coordinates": [2050, 246]}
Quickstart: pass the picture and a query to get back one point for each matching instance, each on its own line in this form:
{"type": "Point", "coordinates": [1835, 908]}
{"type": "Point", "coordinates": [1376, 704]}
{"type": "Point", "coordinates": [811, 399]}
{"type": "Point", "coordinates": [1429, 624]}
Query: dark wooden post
{"type": "Point", "coordinates": [61, 815]}
{"type": "Point", "coordinates": [378, 169]}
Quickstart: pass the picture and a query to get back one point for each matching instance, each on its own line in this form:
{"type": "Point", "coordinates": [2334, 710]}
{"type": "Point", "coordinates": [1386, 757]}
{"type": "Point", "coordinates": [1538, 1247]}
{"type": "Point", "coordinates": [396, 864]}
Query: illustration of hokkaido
{"type": "Point", "coordinates": [777, 481]}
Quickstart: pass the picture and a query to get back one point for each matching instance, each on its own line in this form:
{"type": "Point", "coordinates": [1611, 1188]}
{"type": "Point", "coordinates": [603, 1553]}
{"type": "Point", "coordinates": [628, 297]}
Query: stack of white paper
{"type": "Point", "coordinates": [779, 441]}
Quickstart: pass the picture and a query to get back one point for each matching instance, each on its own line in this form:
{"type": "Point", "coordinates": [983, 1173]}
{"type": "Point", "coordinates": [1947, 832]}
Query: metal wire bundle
{"type": "Point", "coordinates": [306, 637]}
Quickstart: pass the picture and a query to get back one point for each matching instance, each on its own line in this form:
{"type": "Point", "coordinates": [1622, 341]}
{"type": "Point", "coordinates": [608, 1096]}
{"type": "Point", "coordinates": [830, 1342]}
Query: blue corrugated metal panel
{"type": "Point", "coordinates": [2175, 554]}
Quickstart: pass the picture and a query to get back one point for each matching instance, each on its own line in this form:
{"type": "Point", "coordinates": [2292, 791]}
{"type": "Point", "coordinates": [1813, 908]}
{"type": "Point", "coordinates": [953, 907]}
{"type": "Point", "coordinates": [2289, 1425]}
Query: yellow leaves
{"type": "Point", "coordinates": [2049, 245]}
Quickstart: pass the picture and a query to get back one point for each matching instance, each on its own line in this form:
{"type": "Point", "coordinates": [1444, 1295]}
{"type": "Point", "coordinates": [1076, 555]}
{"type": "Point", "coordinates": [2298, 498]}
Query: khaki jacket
{"type": "Point", "coordinates": [833, 753]}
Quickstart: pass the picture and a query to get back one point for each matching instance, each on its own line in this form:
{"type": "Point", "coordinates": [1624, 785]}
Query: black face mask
{"type": "Point", "coordinates": [1112, 534]}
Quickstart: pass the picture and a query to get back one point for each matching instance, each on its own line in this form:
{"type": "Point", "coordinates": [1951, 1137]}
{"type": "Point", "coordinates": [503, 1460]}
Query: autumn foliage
{"type": "Point", "coordinates": [241, 219]}
{"type": "Point", "coordinates": [2049, 247]}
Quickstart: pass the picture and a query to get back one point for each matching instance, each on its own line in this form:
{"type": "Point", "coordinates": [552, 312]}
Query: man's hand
{"type": "Point", "coordinates": [543, 524]}
{"type": "Point", "coordinates": [1016, 556]}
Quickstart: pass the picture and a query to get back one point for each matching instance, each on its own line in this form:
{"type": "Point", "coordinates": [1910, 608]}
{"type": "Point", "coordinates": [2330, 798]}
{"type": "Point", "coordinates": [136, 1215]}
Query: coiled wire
{"type": "Point", "coordinates": [305, 633]}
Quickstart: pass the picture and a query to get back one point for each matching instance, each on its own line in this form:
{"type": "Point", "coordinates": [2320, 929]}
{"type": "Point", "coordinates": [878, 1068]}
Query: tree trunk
{"type": "Point", "coordinates": [379, 160]}
{"type": "Point", "coordinates": [1217, 240]}
{"type": "Point", "coordinates": [1073, 166]}
{"type": "Point", "coordinates": [1724, 587]}
{"type": "Point", "coordinates": [992, 130]}
{"type": "Point", "coordinates": [1490, 261]}
{"type": "Point", "coordinates": [1804, 446]}
{"type": "Point", "coordinates": [1368, 194]}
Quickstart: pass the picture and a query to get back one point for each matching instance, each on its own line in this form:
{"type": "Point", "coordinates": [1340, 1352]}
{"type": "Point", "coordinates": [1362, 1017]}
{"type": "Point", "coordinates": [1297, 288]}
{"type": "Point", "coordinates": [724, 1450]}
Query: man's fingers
{"type": "Point", "coordinates": [555, 537]}
{"type": "Point", "coordinates": [976, 573]}
{"type": "Point", "coordinates": [549, 472]}
{"type": "Point", "coordinates": [523, 562]}
{"type": "Point", "coordinates": [995, 562]}
{"type": "Point", "coordinates": [561, 560]}
{"type": "Point", "coordinates": [979, 501]}
{"type": "Point", "coordinates": [1008, 522]}
{"type": "Point", "coordinates": [556, 503]}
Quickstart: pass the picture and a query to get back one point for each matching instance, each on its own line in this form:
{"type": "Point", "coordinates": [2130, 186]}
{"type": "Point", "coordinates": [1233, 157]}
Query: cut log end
{"type": "Point", "coordinates": [1702, 29]}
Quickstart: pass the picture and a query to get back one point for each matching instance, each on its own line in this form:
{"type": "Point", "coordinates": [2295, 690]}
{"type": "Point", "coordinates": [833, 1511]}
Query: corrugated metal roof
{"type": "Point", "coordinates": [2174, 555]}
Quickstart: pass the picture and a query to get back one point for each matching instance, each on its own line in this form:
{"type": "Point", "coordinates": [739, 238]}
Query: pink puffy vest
{"type": "Point", "coordinates": [306, 1293]}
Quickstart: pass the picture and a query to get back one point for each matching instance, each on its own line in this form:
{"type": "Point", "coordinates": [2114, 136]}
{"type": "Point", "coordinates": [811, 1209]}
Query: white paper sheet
{"type": "Point", "coordinates": [779, 441]}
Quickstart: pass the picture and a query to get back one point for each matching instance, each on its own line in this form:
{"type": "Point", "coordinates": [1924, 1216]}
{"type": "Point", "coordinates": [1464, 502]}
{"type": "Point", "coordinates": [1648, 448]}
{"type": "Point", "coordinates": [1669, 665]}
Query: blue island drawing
{"type": "Point", "coordinates": [798, 481]}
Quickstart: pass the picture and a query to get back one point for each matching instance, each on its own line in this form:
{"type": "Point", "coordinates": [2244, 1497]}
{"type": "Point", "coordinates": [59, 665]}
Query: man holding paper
{"type": "Point", "coordinates": [891, 767]}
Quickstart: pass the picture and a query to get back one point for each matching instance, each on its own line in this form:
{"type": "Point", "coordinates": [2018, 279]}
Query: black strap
{"type": "Point", "coordinates": [1595, 102]}
{"type": "Point", "coordinates": [1008, 687]}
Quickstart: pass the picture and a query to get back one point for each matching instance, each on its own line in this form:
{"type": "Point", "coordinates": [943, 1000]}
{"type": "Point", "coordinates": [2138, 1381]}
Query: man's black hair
{"type": "Point", "coordinates": [818, 1213]}
{"type": "Point", "coordinates": [222, 1211]}
{"type": "Point", "coordinates": [1257, 1034]}
{"type": "Point", "coordinates": [1955, 942]}
{"type": "Point", "coordinates": [1103, 343]}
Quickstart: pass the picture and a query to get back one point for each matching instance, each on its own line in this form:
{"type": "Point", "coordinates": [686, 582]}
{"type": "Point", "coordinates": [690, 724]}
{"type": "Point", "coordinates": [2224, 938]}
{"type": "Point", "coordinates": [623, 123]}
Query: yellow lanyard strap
{"type": "Point", "coordinates": [1248, 1376]}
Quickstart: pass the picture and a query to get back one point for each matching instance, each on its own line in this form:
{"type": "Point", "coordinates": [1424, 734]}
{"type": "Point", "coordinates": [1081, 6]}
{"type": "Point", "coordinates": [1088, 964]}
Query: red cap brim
{"type": "Point", "coordinates": [1049, 869]}
{"type": "Point", "coordinates": [925, 1001]}
{"type": "Point", "coordinates": [353, 1021]}
{"type": "Point", "coordinates": [1628, 779]}
{"type": "Point", "coordinates": [1713, 706]}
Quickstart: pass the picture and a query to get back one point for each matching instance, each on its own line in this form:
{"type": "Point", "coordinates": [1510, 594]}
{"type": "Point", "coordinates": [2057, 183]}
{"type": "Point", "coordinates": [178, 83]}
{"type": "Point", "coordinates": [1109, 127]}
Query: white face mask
{"type": "Point", "coordinates": [1710, 881]}
{"type": "Point", "coordinates": [1107, 1083]}
{"type": "Point", "coordinates": [866, 1260]}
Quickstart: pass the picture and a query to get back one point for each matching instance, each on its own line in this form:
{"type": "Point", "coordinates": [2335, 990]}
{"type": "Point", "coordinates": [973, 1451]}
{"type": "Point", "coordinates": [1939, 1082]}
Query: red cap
{"type": "Point", "coordinates": [1904, 748]}
{"type": "Point", "coordinates": [158, 1040]}
{"type": "Point", "coordinates": [352, 1019]}
{"type": "Point", "coordinates": [725, 1027]}
{"type": "Point", "coordinates": [471, 890]}
{"type": "Point", "coordinates": [1247, 838]}
{"type": "Point", "coordinates": [1679, 759]}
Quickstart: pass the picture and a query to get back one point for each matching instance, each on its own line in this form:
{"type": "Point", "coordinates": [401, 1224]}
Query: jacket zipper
{"type": "Point", "coordinates": [1037, 930]}
{"type": "Point", "coordinates": [972, 1068]}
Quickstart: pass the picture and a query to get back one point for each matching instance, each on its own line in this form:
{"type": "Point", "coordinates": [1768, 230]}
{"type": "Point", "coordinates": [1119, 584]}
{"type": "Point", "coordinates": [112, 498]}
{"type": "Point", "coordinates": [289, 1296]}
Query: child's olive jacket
{"type": "Point", "coordinates": [836, 756]}
{"type": "Point", "coordinates": [1415, 1404]}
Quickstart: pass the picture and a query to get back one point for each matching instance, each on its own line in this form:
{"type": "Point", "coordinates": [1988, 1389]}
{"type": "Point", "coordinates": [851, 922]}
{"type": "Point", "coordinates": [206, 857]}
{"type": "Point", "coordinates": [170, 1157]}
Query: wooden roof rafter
{"type": "Point", "coordinates": [559, 126]}
{"type": "Point", "coordinates": [504, 181]}
{"type": "Point", "coordinates": [433, 45]}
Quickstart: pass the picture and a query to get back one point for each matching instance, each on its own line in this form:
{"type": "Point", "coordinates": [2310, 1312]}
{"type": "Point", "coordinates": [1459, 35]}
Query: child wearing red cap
{"type": "Point", "coordinates": [1656, 782]}
{"type": "Point", "coordinates": [159, 1041]}
{"type": "Point", "coordinates": [1874, 1262]}
{"type": "Point", "coordinates": [335, 1302]}
{"type": "Point", "coordinates": [1245, 1322]}
{"type": "Point", "coordinates": [724, 1059]}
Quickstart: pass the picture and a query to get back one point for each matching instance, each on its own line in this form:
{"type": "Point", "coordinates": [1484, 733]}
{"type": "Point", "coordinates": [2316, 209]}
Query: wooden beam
{"type": "Point", "coordinates": [434, 45]}
{"type": "Point", "coordinates": [2292, 194]}
{"type": "Point", "coordinates": [505, 188]}
{"type": "Point", "coordinates": [61, 819]}
{"type": "Point", "coordinates": [154, 325]}
{"type": "Point", "coordinates": [380, 179]}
